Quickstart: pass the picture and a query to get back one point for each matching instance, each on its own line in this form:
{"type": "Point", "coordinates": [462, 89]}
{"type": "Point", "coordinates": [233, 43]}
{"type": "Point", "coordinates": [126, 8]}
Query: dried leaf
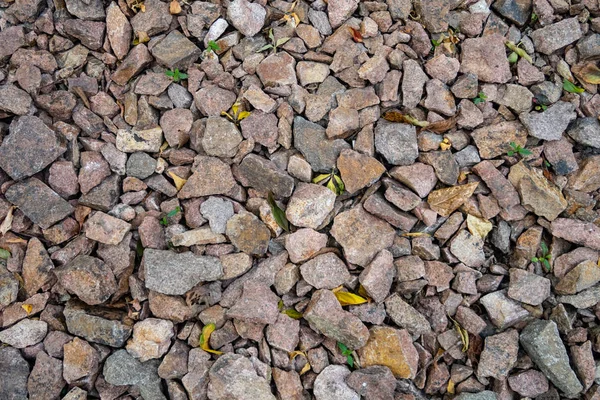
{"type": "Point", "coordinates": [7, 223]}
{"type": "Point", "coordinates": [174, 7]}
{"type": "Point", "coordinates": [81, 213]}
{"type": "Point", "coordinates": [356, 35]}
{"type": "Point", "coordinates": [205, 337]}
{"type": "Point", "coordinates": [397, 116]}
{"type": "Point", "coordinates": [463, 175]}
{"type": "Point", "coordinates": [464, 335]}
{"type": "Point", "coordinates": [320, 178]}
{"type": "Point", "coordinates": [4, 254]}
{"type": "Point", "coordinates": [416, 234]}
{"type": "Point", "coordinates": [441, 126]}
{"type": "Point", "coordinates": [478, 227]}
{"type": "Point", "coordinates": [243, 115]}
{"type": "Point", "coordinates": [179, 182]}
{"type": "Point", "coordinates": [290, 312]}
{"type": "Point", "coordinates": [589, 73]}
{"type": "Point", "coordinates": [278, 213]}
{"type": "Point", "coordinates": [27, 307]}
{"type": "Point", "coordinates": [450, 387]}
{"type": "Point", "coordinates": [446, 201]}
{"type": "Point", "coordinates": [445, 144]}
{"type": "Point", "coordinates": [306, 368]}
{"type": "Point", "coordinates": [349, 299]}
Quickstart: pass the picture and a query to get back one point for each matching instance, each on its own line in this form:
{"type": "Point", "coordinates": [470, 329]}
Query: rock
{"type": "Point", "coordinates": [310, 139]}
{"type": "Point", "coordinates": [258, 304]}
{"type": "Point", "coordinates": [221, 138]}
{"type": "Point", "coordinates": [310, 205]}
{"type": "Point", "coordinates": [89, 278]}
{"type": "Point", "coordinates": [9, 288]}
{"type": "Point", "coordinates": [583, 276]}
{"type": "Point", "coordinates": [283, 334]}
{"type": "Point", "coordinates": [120, 369]}
{"type": "Point", "coordinates": [14, 100]}
{"type": "Point", "coordinates": [89, 33]}
{"type": "Point", "coordinates": [486, 58]}
{"type": "Point", "coordinates": [198, 236]}
{"type": "Point", "coordinates": [343, 122]}
{"type": "Point", "coordinates": [468, 249]}
{"type": "Point", "coordinates": [361, 235]}
{"type": "Point", "coordinates": [140, 165]}
{"type": "Point", "coordinates": [396, 142]}
{"type": "Point", "coordinates": [176, 273]}
{"type": "Point", "coordinates": [136, 61]}
{"type": "Point", "coordinates": [261, 127]}
{"type": "Point", "coordinates": [29, 147]}
{"type": "Point", "coordinates": [550, 124]}
{"type": "Point", "coordinates": [151, 339]}
{"type": "Point", "coordinates": [537, 193]}
{"type": "Point", "coordinates": [212, 100]}
{"type": "Point", "coordinates": [556, 36]}
{"type": "Point", "coordinates": [501, 188]}
{"type": "Point", "coordinates": [232, 377]}
{"type": "Point", "coordinates": [493, 140]}
{"type": "Point", "coordinates": [376, 205]}
{"type": "Point", "coordinates": [277, 70]}
{"type": "Point", "coordinates": [542, 343]}
{"type": "Point", "coordinates": [310, 72]}
{"type": "Point", "coordinates": [499, 355]}
{"type": "Point", "coordinates": [12, 39]}
{"type": "Point", "coordinates": [217, 211]}
{"type": "Point", "coordinates": [443, 68]}
{"type": "Point", "coordinates": [503, 312]}
{"type": "Point", "coordinates": [515, 97]}
{"type": "Point", "coordinates": [528, 288]}
{"type": "Point", "coordinates": [412, 83]}
{"type": "Point", "coordinates": [38, 202]}
{"type": "Point", "coordinates": [445, 166]}
{"type": "Point", "coordinates": [418, 177]}
{"type": "Point", "coordinates": [155, 20]}
{"type": "Point", "coordinates": [118, 30]}
{"type": "Point", "coordinates": [330, 384]}
{"type": "Point", "coordinates": [325, 271]}
{"type": "Point", "coordinates": [80, 360]}
{"type": "Point", "coordinates": [405, 316]}
{"type": "Point", "coordinates": [45, 380]}
{"type": "Point", "coordinates": [63, 179]}
{"type": "Point", "coordinates": [176, 51]}
{"type": "Point", "coordinates": [264, 175]}
{"type": "Point", "coordinates": [485, 395]}
{"type": "Point", "coordinates": [92, 10]}
{"type": "Point", "coordinates": [325, 315]}
{"type": "Point", "coordinates": [106, 229]}
{"type": "Point", "coordinates": [131, 141]}
{"type": "Point", "coordinates": [14, 371]}
{"type": "Point", "coordinates": [246, 17]}
{"type": "Point", "coordinates": [96, 325]}
{"type": "Point", "coordinates": [375, 382]}
{"type": "Point", "coordinates": [36, 272]}
{"type": "Point", "coordinates": [303, 244]}
{"type": "Point", "coordinates": [358, 170]}
{"type": "Point", "coordinates": [576, 231]}
{"type": "Point", "coordinates": [376, 279]}
{"type": "Point", "coordinates": [177, 124]}
{"type": "Point", "coordinates": [211, 176]}
{"type": "Point", "coordinates": [24, 333]}
{"type": "Point", "coordinates": [586, 180]}
{"type": "Point", "coordinates": [530, 383]}
{"type": "Point", "coordinates": [584, 299]}
{"type": "Point", "coordinates": [392, 348]}
{"type": "Point", "coordinates": [585, 131]}
{"type": "Point", "coordinates": [439, 98]}
{"type": "Point", "coordinates": [94, 169]}
{"type": "Point", "coordinates": [248, 233]}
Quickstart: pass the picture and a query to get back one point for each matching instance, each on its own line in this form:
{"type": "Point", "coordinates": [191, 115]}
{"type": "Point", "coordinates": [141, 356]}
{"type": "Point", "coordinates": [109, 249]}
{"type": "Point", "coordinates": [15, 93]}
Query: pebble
{"type": "Point", "coordinates": [325, 271]}
{"type": "Point", "coordinates": [556, 36]}
{"type": "Point", "coordinates": [24, 333]}
{"type": "Point", "coordinates": [551, 123]}
{"type": "Point", "coordinates": [331, 384]}
{"type": "Point", "coordinates": [311, 140]}
{"type": "Point", "coordinates": [499, 355]}
{"type": "Point", "coordinates": [309, 205]}
{"type": "Point", "coordinates": [13, 374]}
{"type": "Point", "coordinates": [396, 142]}
{"type": "Point", "coordinates": [304, 244]}
{"type": "Point", "coordinates": [528, 288]}
{"type": "Point", "coordinates": [392, 348]}
{"type": "Point", "coordinates": [248, 234]}
{"type": "Point", "coordinates": [151, 339]}
{"type": "Point", "coordinates": [358, 170]}
{"type": "Point", "coordinates": [89, 278]}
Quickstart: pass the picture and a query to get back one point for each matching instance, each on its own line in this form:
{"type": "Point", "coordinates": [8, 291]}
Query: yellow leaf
{"type": "Point", "coordinates": [588, 73]}
{"type": "Point", "coordinates": [28, 308]}
{"type": "Point", "coordinates": [446, 201]}
{"type": "Point", "coordinates": [362, 291]}
{"type": "Point", "coordinates": [235, 108]}
{"type": "Point", "coordinates": [331, 186]}
{"type": "Point", "coordinates": [306, 368]}
{"type": "Point", "coordinates": [463, 176]}
{"type": "Point", "coordinates": [174, 7]}
{"type": "Point", "coordinates": [445, 145]}
{"type": "Point", "coordinates": [7, 223]}
{"type": "Point", "coordinates": [462, 332]}
{"type": "Point", "coordinates": [450, 388]}
{"type": "Point", "coordinates": [348, 299]}
{"type": "Point", "coordinates": [478, 227]}
{"type": "Point", "coordinates": [295, 353]}
{"type": "Point", "coordinates": [207, 330]}
{"type": "Point", "coordinates": [320, 178]}
{"type": "Point", "coordinates": [243, 115]}
{"type": "Point", "coordinates": [416, 234]}
{"type": "Point", "coordinates": [179, 182]}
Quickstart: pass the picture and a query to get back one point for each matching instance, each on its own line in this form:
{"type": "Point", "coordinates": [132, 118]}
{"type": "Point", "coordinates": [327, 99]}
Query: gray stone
{"type": "Point", "coordinates": [176, 51]}
{"type": "Point", "coordinates": [550, 124]}
{"type": "Point", "coordinates": [29, 147]}
{"type": "Point", "coordinates": [96, 324]}
{"type": "Point", "coordinates": [556, 36]}
{"type": "Point", "coordinates": [217, 211]}
{"type": "Point", "coordinates": [396, 142]}
{"type": "Point", "coordinates": [140, 165]}
{"type": "Point", "coordinates": [310, 205]}
{"type": "Point", "coordinates": [38, 202]}
{"type": "Point", "coordinates": [87, 10]}
{"type": "Point", "coordinates": [89, 278]}
{"type": "Point", "coordinates": [263, 175]}
{"type": "Point", "coordinates": [412, 83]}
{"type": "Point", "coordinates": [311, 140]}
{"type": "Point", "coordinates": [233, 377]}
{"type": "Point", "coordinates": [543, 344]}
{"type": "Point", "coordinates": [149, 140]}
{"type": "Point", "coordinates": [503, 311]}
{"type": "Point", "coordinates": [485, 395]}
{"type": "Point", "coordinates": [585, 131]}
{"type": "Point", "coordinates": [331, 384]}
{"type": "Point", "coordinates": [24, 333]}
{"type": "Point", "coordinates": [406, 316]}
{"type": "Point", "coordinates": [221, 137]}
{"type": "Point", "coordinates": [246, 17]}
{"type": "Point", "coordinates": [175, 273]}
{"type": "Point", "coordinates": [122, 369]}
{"type": "Point", "coordinates": [14, 371]}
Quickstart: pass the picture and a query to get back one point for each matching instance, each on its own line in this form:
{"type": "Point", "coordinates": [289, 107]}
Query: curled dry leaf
{"type": "Point", "coordinates": [588, 73]}
{"type": "Point", "coordinates": [356, 35]}
{"type": "Point", "coordinates": [179, 182]}
{"type": "Point", "coordinates": [296, 353]}
{"type": "Point", "coordinates": [349, 299]}
{"type": "Point", "coordinates": [7, 223]}
{"type": "Point", "coordinates": [441, 126]}
{"type": "Point", "coordinates": [446, 201]}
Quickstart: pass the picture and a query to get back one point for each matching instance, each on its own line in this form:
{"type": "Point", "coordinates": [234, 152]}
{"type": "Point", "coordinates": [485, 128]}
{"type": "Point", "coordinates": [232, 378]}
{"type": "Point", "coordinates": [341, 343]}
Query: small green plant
{"type": "Point", "coordinates": [214, 46]}
{"type": "Point", "coordinates": [517, 149]}
{"type": "Point", "coordinates": [176, 75]}
{"type": "Point", "coordinates": [571, 87]}
{"type": "Point", "coordinates": [333, 181]}
{"type": "Point", "coordinates": [544, 258]}
{"type": "Point", "coordinates": [347, 352]}
{"type": "Point", "coordinates": [436, 43]}
{"type": "Point", "coordinates": [541, 107]}
{"type": "Point", "coordinates": [481, 98]}
{"type": "Point", "coordinates": [164, 220]}
{"type": "Point", "coordinates": [278, 213]}
{"type": "Point", "coordinates": [274, 43]}
{"type": "Point", "coordinates": [517, 52]}
{"type": "Point", "coordinates": [534, 17]}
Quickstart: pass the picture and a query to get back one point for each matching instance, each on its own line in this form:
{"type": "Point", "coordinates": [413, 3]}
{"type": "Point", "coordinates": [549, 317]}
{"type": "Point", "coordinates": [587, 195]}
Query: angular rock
{"type": "Point", "coordinates": [118, 30]}
{"type": "Point", "coordinates": [549, 124]}
{"type": "Point", "coordinates": [151, 339]}
{"type": "Point", "coordinates": [233, 377]}
{"type": "Point", "coordinates": [358, 170]}
{"type": "Point", "coordinates": [493, 140]}
{"type": "Point", "coordinates": [405, 316]}
{"type": "Point", "coordinates": [396, 142]}
{"type": "Point", "coordinates": [412, 83]}
{"type": "Point", "coordinates": [248, 233]}
{"type": "Point", "coordinates": [392, 348]}
{"type": "Point", "coordinates": [176, 273]}
{"type": "Point", "coordinates": [576, 231]}
{"type": "Point", "coordinates": [221, 138]}
{"type": "Point", "coordinates": [136, 61]}
{"type": "Point", "coordinates": [325, 271]}
{"type": "Point", "coordinates": [80, 360]}
{"type": "Point", "coordinates": [556, 36]}
{"type": "Point", "coordinates": [310, 139]}
{"type": "Point", "coordinates": [277, 70]}
{"type": "Point", "coordinates": [583, 276]}
{"type": "Point", "coordinates": [106, 229]}
{"type": "Point", "coordinates": [303, 244]}
{"type": "Point", "coordinates": [310, 205]}
{"type": "Point", "coordinates": [120, 369]}
{"type": "Point", "coordinates": [528, 288]}
{"type": "Point", "coordinates": [212, 100]}
{"type": "Point", "coordinates": [211, 176]}
{"type": "Point", "coordinates": [246, 17]}
{"type": "Point", "coordinates": [503, 312]}
{"type": "Point", "coordinates": [175, 51]}
{"type": "Point", "coordinates": [468, 249]}
{"type": "Point", "coordinates": [14, 371]}
{"type": "Point", "coordinates": [486, 58]}
{"type": "Point", "coordinates": [14, 100]}
{"type": "Point", "coordinates": [45, 380]}
{"type": "Point", "coordinates": [131, 141]}
{"type": "Point", "coordinates": [499, 355]}
{"type": "Point", "coordinates": [24, 333]}
{"type": "Point", "coordinates": [376, 279]}
{"type": "Point", "coordinates": [89, 278]}
{"type": "Point", "coordinates": [330, 384]}
{"type": "Point", "coordinates": [96, 324]}
{"type": "Point", "coordinates": [585, 131]}
{"type": "Point", "coordinates": [264, 175]}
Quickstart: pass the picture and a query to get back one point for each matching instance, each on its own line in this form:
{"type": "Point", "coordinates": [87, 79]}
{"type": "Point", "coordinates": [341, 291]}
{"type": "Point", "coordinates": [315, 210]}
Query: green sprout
{"type": "Point", "coordinates": [274, 43]}
{"type": "Point", "coordinates": [214, 46]}
{"type": "Point", "coordinates": [347, 353]}
{"type": "Point", "coordinates": [176, 75]}
{"type": "Point", "coordinates": [164, 221]}
{"type": "Point", "coordinates": [481, 98]}
{"type": "Point", "coordinates": [333, 181]}
{"type": "Point", "coordinates": [517, 149]}
{"type": "Point", "coordinates": [544, 258]}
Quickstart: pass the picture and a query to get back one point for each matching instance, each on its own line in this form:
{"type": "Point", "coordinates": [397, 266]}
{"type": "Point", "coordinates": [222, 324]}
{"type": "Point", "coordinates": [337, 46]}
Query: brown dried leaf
{"type": "Point", "coordinates": [174, 7]}
{"type": "Point", "coordinates": [356, 35]}
{"type": "Point", "coordinates": [81, 212]}
{"type": "Point", "coordinates": [397, 116]}
{"type": "Point", "coordinates": [588, 73]}
{"type": "Point", "coordinates": [441, 126]}
{"type": "Point", "coordinates": [446, 201]}
{"type": "Point", "coordinates": [7, 223]}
